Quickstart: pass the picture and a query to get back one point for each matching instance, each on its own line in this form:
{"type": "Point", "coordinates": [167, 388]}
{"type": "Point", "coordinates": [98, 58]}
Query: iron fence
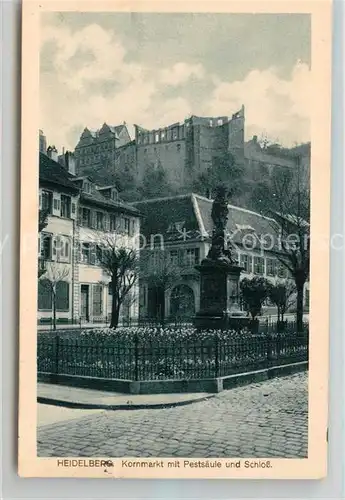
{"type": "Point", "coordinates": [144, 359]}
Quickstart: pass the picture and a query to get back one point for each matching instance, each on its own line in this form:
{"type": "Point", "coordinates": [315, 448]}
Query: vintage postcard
{"type": "Point", "coordinates": [175, 205]}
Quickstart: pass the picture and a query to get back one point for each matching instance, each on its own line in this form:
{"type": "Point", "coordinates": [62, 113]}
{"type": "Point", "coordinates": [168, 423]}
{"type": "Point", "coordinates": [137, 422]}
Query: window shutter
{"type": "Point", "coordinates": [54, 245]}
{"type": "Point", "coordinates": [93, 218]}
{"type": "Point", "coordinates": [73, 210]}
{"type": "Point", "coordinates": [106, 222]}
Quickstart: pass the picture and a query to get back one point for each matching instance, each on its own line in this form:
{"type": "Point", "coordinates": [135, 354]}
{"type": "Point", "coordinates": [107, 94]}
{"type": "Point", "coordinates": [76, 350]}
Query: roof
{"type": "Point", "coordinates": [190, 216]}
{"type": "Point", "coordinates": [52, 172]}
{"type": "Point", "coordinates": [98, 199]}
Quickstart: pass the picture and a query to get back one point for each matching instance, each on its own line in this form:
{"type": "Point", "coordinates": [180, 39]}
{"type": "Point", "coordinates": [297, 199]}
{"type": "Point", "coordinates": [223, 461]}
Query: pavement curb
{"type": "Point", "coordinates": [95, 406]}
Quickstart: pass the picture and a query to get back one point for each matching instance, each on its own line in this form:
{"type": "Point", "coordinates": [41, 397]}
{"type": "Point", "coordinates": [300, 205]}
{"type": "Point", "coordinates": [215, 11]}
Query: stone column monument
{"type": "Point", "coordinates": [219, 276]}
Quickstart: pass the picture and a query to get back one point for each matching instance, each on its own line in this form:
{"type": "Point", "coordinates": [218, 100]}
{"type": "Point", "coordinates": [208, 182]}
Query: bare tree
{"type": "Point", "coordinates": [160, 273]}
{"type": "Point", "coordinates": [287, 201]}
{"type": "Point", "coordinates": [55, 273]}
{"type": "Point", "coordinates": [122, 265]}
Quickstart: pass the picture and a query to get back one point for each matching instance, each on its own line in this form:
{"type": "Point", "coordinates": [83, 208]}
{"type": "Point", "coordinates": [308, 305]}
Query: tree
{"type": "Point", "coordinates": [122, 265]}
{"type": "Point", "coordinates": [160, 273]}
{"type": "Point", "coordinates": [282, 295]}
{"type": "Point", "coordinates": [254, 292]}
{"type": "Point", "coordinates": [287, 202]}
{"type": "Point", "coordinates": [54, 275]}
{"type": "Point", "coordinates": [155, 182]}
{"type": "Point", "coordinates": [42, 220]}
{"type": "Point", "coordinates": [223, 171]}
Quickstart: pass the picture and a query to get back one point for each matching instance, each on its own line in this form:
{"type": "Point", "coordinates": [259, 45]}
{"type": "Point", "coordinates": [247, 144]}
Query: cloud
{"type": "Point", "coordinates": [274, 106]}
{"type": "Point", "coordinates": [88, 77]}
{"type": "Point", "coordinates": [181, 72]}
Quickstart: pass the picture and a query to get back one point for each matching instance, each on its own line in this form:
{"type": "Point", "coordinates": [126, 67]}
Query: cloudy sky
{"type": "Point", "coordinates": [157, 69]}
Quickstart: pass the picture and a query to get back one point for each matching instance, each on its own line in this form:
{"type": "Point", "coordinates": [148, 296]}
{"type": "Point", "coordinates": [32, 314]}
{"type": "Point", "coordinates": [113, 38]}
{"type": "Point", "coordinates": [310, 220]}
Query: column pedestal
{"type": "Point", "coordinates": [219, 296]}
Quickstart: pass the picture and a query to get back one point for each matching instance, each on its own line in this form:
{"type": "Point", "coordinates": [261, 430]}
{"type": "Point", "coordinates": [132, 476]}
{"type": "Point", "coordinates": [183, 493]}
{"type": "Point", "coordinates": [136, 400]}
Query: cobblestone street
{"type": "Point", "coordinates": [268, 419]}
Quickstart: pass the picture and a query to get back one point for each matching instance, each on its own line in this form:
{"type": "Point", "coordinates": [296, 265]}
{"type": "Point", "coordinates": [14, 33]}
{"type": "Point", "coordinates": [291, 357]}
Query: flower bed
{"type": "Point", "coordinates": [149, 353]}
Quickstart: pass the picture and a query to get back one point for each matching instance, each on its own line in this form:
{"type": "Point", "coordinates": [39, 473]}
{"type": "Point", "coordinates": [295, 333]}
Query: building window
{"type": "Point", "coordinates": [127, 226]}
{"type": "Point", "coordinates": [87, 187]}
{"type": "Point", "coordinates": [85, 253]}
{"type": "Point", "coordinates": [157, 137]}
{"type": "Point", "coordinates": [99, 220]}
{"type": "Point", "coordinates": [63, 248]}
{"type": "Point", "coordinates": [211, 123]}
{"type": "Point", "coordinates": [65, 206]}
{"type": "Point", "coordinates": [192, 256]}
{"type": "Point", "coordinates": [62, 296]}
{"type": "Point", "coordinates": [112, 222]}
{"type": "Point", "coordinates": [178, 147]}
{"type": "Point", "coordinates": [47, 201]}
{"type": "Point", "coordinates": [99, 255]}
{"type": "Point", "coordinates": [220, 121]}
{"type": "Point", "coordinates": [246, 262]}
{"type": "Point", "coordinates": [86, 217]}
{"type": "Point", "coordinates": [174, 257]}
{"type": "Point", "coordinates": [259, 265]}
{"type": "Point", "coordinates": [46, 246]}
{"type": "Point", "coordinates": [97, 300]}
{"type": "Point", "coordinates": [44, 295]}
{"type": "Point", "coordinates": [114, 195]}
{"type": "Point", "coordinates": [271, 267]}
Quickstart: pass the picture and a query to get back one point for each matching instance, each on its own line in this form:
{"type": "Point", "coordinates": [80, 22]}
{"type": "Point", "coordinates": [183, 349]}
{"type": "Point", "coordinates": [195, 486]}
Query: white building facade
{"type": "Point", "coordinates": [80, 217]}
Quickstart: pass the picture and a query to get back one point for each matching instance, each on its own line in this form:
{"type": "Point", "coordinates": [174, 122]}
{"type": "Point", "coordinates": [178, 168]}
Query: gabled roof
{"type": "Point", "coordinates": [52, 172]}
{"type": "Point", "coordinates": [190, 214]}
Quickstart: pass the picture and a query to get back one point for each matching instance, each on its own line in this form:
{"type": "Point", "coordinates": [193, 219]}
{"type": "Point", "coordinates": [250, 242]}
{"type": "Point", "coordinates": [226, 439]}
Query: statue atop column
{"type": "Point", "coordinates": [219, 250]}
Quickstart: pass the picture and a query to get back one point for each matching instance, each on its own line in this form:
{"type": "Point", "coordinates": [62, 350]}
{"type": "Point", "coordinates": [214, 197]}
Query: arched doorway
{"type": "Point", "coordinates": [182, 302]}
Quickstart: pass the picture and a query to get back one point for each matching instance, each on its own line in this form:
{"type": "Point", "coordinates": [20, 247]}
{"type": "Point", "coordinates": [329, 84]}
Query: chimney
{"type": "Point", "coordinates": [42, 142]}
{"type": "Point", "coordinates": [70, 162]}
{"type": "Point", "coordinates": [52, 153]}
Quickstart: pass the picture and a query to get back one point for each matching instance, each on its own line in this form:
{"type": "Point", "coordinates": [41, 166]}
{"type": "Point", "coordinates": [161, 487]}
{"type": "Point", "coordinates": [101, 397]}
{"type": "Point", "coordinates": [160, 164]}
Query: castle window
{"type": "Point", "coordinates": [220, 121]}
{"type": "Point", "coordinates": [211, 123]}
{"type": "Point", "coordinates": [163, 136]}
{"type": "Point", "coordinates": [157, 137]}
{"type": "Point", "coordinates": [178, 147]}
